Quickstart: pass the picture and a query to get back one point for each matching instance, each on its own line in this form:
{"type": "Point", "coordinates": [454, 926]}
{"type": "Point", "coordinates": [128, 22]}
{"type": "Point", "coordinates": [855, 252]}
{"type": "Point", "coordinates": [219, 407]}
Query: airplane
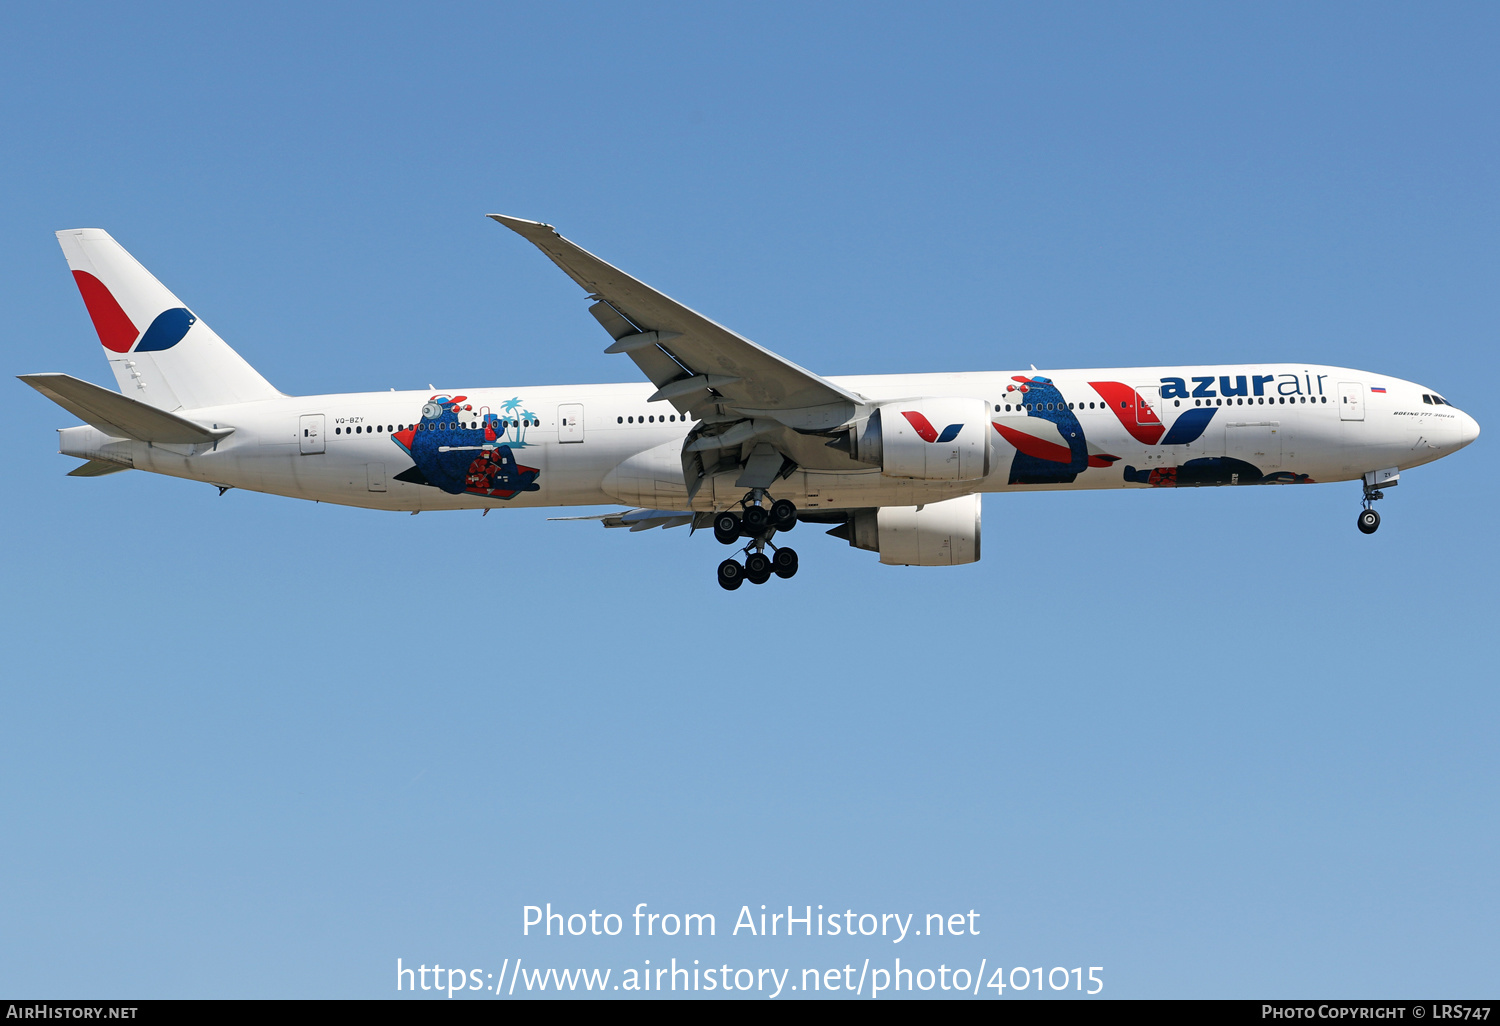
{"type": "Point", "coordinates": [726, 435]}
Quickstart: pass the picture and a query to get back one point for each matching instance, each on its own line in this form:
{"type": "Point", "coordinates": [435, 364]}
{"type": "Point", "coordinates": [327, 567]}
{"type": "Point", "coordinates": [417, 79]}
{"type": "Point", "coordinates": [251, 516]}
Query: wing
{"type": "Point", "coordinates": [745, 375]}
{"type": "Point", "coordinates": [752, 404]}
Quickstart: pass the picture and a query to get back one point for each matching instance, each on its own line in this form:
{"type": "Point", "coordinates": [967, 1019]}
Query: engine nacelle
{"type": "Point", "coordinates": [937, 534]}
{"type": "Point", "coordinates": [927, 440]}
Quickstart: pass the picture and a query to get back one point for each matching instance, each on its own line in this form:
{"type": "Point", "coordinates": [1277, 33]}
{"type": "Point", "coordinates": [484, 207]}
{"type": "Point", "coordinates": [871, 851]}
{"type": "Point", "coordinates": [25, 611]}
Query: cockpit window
{"type": "Point", "coordinates": [1427, 398]}
{"type": "Point", "coordinates": [1438, 400]}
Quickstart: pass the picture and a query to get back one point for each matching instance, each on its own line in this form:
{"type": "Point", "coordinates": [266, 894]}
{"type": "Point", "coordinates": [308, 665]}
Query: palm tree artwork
{"type": "Point", "coordinates": [510, 406]}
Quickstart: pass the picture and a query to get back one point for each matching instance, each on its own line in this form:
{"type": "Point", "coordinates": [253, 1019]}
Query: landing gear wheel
{"type": "Point", "coordinates": [784, 563]}
{"type": "Point", "coordinates": [731, 575]}
{"type": "Point", "coordinates": [758, 568]}
{"type": "Point", "coordinates": [783, 515]}
{"type": "Point", "coordinates": [755, 518]}
{"type": "Point", "coordinates": [1369, 520]}
{"type": "Point", "coordinates": [727, 528]}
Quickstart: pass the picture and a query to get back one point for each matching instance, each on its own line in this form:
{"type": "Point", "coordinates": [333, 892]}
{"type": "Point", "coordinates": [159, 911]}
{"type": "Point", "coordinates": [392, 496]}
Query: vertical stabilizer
{"type": "Point", "coordinates": [161, 353]}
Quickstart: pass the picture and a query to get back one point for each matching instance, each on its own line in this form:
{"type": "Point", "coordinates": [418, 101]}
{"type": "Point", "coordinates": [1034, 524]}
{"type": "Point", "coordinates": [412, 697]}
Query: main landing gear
{"type": "Point", "coordinates": [757, 523]}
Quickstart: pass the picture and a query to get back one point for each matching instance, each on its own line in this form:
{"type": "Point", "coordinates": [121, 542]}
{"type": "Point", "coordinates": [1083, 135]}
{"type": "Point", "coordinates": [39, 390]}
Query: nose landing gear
{"type": "Point", "coordinates": [758, 524]}
{"type": "Point", "coordinates": [1369, 520]}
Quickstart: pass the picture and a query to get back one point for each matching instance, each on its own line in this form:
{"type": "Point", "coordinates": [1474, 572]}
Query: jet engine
{"type": "Point", "coordinates": [925, 440]}
{"type": "Point", "coordinates": [937, 534]}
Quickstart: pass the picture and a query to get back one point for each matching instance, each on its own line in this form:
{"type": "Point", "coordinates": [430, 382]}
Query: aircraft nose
{"type": "Point", "coordinates": [1468, 430]}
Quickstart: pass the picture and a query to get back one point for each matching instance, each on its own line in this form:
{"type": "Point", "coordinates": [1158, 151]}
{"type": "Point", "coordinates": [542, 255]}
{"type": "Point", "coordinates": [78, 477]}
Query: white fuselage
{"type": "Point", "coordinates": [599, 444]}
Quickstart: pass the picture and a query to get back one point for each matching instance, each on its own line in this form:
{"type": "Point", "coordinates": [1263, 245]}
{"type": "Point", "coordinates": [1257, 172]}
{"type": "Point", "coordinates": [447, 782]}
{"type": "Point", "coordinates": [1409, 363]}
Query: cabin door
{"type": "Point", "coordinates": [1351, 400]}
{"type": "Point", "coordinates": [310, 434]}
{"type": "Point", "coordinates": [570, 422]}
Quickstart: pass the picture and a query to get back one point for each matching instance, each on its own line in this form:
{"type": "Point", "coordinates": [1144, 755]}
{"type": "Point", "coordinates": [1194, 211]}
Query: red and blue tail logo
{"type": "Point", "coordinates": [118, 332]}
{"type": "Point", "coordinates": [927, 432]}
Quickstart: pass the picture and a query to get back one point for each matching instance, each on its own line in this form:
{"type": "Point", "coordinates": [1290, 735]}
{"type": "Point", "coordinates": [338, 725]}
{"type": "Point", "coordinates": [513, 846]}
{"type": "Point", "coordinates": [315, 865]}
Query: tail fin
{"type": "Point", "coordinates": [160, 352]}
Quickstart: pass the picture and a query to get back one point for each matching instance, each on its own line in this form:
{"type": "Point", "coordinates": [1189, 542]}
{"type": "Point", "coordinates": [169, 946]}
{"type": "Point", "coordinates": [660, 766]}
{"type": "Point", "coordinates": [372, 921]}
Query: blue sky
{"type": "Point", "coordinates": [1214, 740]}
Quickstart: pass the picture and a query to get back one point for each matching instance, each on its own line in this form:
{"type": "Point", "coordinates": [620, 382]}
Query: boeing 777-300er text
{"type": "Point", "coordinates": [727, 435]}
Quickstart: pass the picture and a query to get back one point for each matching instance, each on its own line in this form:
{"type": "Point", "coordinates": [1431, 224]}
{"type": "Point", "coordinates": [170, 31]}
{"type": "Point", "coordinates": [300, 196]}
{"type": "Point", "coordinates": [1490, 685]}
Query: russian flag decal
{"type": "Point", "coordinates": [1374, 388]}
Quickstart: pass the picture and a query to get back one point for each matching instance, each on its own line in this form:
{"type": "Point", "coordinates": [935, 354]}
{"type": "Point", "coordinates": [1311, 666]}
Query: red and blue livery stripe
{"type": "Point", "coordinates": [926, 431]}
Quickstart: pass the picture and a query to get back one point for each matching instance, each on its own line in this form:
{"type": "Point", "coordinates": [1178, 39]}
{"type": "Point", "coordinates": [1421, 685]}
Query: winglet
{"type": "Point", "coordinates": [521, 226]}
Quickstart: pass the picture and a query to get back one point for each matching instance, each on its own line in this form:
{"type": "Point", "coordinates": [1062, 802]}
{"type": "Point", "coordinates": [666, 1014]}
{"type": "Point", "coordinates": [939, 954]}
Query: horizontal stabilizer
{"type": "Point", "coordinates": [98, 468]}
{"type": "Point", "coordinates": [640, 519]}
{"type": "Point", "coordinates": [119, 415]}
